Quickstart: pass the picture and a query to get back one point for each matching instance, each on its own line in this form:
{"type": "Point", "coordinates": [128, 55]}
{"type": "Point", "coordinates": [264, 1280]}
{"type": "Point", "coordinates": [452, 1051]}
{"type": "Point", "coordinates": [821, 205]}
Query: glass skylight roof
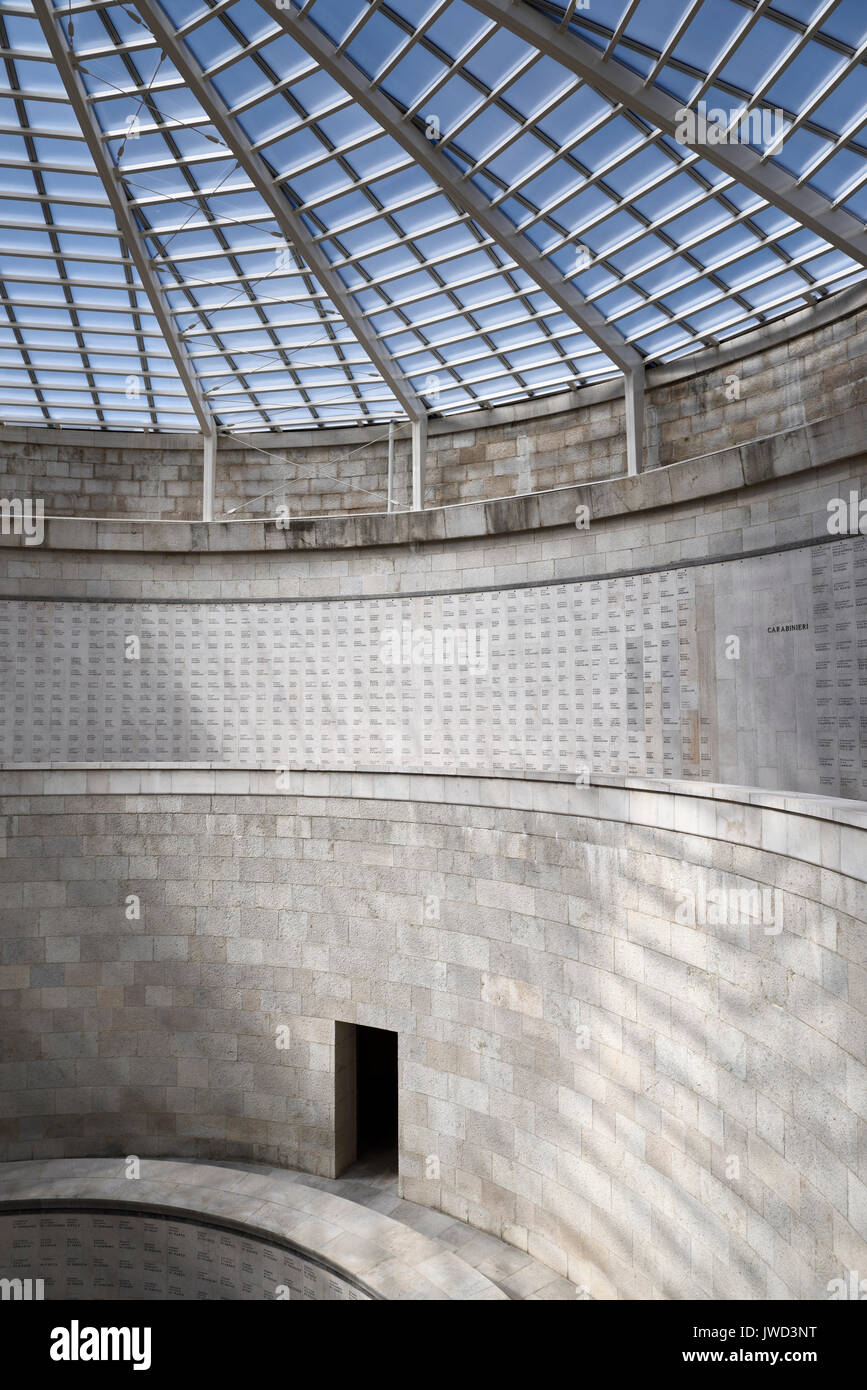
{"type": "Point", "coordinates": [318, 212]}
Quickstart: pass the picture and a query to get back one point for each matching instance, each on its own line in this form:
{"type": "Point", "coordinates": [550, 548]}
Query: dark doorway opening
{"type": "Point", "coordinates": [376, 1095]}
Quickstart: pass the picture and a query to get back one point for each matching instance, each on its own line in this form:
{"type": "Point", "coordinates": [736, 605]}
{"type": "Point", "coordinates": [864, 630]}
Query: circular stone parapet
{"type": "Point", "coordinates": [832, 440]}
{"type": "Point", "coordinates": [699, 626]}
{"type": "Point", "coordinates": [306, 1243]}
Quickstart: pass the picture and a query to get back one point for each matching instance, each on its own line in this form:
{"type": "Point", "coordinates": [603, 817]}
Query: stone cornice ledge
{"type": "Point", "coordinates": [828, 833]}
{"type": "Point", "coordinates": [806, 447]}
{"type": "Point", "coordinates": [388, 1259]}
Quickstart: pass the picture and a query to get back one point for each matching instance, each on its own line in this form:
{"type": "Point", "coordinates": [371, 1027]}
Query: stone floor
{"type": "Point", "coordinates": [374, 1184]}
{"type": "Point", "coordinates": [359, 1244]}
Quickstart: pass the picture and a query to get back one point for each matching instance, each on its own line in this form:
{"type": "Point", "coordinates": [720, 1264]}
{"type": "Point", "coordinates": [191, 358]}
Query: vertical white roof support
{"type": "Point", "coordinates": [209, 476]}
{"type": "Point", "coordinates": [390, 503]}
{"type": "Point", "coordinates": [634, 389]}
{"type": "Point", "coordinates": [419, 461]}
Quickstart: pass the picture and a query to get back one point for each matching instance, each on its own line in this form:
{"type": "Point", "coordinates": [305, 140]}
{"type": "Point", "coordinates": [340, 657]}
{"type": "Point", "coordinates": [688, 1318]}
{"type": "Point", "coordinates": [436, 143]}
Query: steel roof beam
{"type": "Point", "coordinates": [293, 227]}
{"type": "Point", "coordinates": [464, 194]}
{"type": "Point", "coordinates": [129, 230]}
{"type": "Point", "coordinates": [618, 83]}
{"type": "Point", "coordinates": [460, 191]}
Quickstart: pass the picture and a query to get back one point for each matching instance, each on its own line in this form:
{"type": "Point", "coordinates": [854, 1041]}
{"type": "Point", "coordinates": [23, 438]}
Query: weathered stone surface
{"type": "Point", "coordinates": [599, 1026]}
{"type": "Point", "coordinates": [191, 1231]}
{"type": "Point", "coordinates": [807, 370]}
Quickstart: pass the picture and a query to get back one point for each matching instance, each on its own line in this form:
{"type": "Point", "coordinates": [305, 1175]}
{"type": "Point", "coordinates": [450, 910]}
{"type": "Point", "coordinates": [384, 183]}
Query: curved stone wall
{"type": "Point", "coordinates": [743, 671]}
{"type": "Point", "coordinates": [744, 500]}
{"type": "Point", "coordinates": [631, 1017]}
{"type": "Point", "coordinates": [631, 1013]}
{"type": "Point", "coordinates": [707, 622]}
{"type": "Point", "coordinates": [805, 368]}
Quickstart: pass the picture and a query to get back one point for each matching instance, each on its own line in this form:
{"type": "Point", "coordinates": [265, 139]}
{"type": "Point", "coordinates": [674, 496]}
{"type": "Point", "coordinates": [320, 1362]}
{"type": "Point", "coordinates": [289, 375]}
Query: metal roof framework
{"type": "Point", "coordinates": [270, 215]}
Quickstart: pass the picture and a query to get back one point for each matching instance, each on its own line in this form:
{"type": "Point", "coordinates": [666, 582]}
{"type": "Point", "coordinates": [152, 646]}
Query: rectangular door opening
{"type": "Point", "coordinates": [376, 1081]}
{"type": "Point", "coordinates": [366, 1098]}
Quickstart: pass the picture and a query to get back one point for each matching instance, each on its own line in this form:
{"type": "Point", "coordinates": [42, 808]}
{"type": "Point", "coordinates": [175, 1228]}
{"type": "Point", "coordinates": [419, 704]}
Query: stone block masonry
{"type": "Point", "coordinates": [612, 1055]}
{"type": "Point", "coordinates": [806, 368]}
